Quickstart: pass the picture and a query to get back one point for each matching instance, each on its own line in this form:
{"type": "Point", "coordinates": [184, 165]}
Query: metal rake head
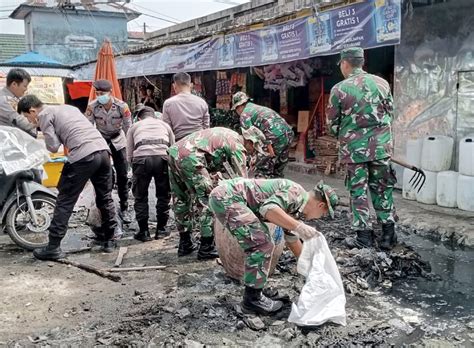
{"type": "Point", "coordinates": [418, 179]}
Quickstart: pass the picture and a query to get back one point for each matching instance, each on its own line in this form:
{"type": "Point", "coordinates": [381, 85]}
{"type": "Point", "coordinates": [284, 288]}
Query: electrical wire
{"type": "Point", "coordinates": [158, 13]}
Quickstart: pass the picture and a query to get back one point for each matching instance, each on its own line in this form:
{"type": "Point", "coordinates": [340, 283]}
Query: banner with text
{"type": "Point", "coordinates": [370, 24]}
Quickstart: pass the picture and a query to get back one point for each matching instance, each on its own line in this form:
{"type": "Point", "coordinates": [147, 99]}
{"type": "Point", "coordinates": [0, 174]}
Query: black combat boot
{"type": "Point", "coordinates": [389, 238]}
{"type": "Point", "coordinates": [207, 250]}
{"type": "Point", "coordinates": [162, 232]}
{"type": "Point", "coordinates": [365, 238]}
{"type": "Point", "coordinates": [125, 214]}
{"type": "Point", "coordinates": [50, 252]}
{"type": "Point", "coordinates": [256, 302]}
{"type": "Point", "coordinates": [186, 245]}
{"type": "Point", "coordinates": [108, 246]}
{"type": "Point", "coordinates": [144, 234]}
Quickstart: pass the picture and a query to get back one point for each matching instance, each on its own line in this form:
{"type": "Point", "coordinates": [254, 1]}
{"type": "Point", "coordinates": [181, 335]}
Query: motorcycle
{"type": "Point", "coordinates": [26, 209]}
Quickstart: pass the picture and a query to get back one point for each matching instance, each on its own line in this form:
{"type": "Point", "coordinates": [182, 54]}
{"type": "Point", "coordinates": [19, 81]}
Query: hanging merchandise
{"type": "Point", "coordinates": [223, 91]}
{"type": "Point", "coordinates": [284, 102]}
{"type": "Point", "coordinates": [292, 74]}
{"type": "Point", "coordinates": [198, 87]}
{"type": "Point", "coordinates": [238, 82]}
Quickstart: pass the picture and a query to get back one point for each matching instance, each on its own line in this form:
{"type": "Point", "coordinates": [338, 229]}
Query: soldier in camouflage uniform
{"type": "Point", "coordinates": [278, 133]}
{"type": "Point", "coordinates": [244, 205]}
{"type": "Point", "coordinates": [195, 163]}
{"type": "Point", "coordinates": [360, 114]}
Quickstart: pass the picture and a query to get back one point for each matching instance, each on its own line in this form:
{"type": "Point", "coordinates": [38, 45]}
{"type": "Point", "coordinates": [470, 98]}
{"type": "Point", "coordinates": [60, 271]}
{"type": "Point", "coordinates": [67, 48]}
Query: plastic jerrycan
{"type": "Point", "coordinates": [466, 155]}
{"type": "Point", "coordinates": [437, 153]}
{"type": "Point", "coordinates": [465, 194]}
{"type": "Point", "coordinates": [427, 194]}
{"type": "Point", "coordinates": [446, 189]}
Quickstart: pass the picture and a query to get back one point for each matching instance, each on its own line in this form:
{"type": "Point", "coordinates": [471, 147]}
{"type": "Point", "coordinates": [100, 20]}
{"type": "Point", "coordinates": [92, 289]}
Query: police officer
{"type": "Point", "coordinates": [113, 119]}
{"type": "Point", "coordinates": [147, 145]}
{"type": "Point", "coordinates": [17, 84]}
{"type": "Point", "coordinates": [88, 159]}
{"type": "Point", "coordinates": [278, 134]}
{"type": "Point", "coordinates": [360, 114]}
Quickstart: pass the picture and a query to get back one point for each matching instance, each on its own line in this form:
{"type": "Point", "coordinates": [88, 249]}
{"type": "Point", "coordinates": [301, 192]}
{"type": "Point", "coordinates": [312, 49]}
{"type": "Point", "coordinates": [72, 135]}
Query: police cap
{"type": "Point", "coordinates": [102, 85]}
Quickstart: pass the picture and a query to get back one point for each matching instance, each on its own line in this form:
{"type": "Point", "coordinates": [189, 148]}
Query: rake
{"type": "Point", "coordinates": [418, 178]}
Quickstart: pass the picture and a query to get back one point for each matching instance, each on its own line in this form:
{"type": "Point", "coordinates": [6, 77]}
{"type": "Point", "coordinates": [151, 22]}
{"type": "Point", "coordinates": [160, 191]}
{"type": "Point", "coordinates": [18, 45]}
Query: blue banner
{"type": "Point", "coordinates": [370, 24]}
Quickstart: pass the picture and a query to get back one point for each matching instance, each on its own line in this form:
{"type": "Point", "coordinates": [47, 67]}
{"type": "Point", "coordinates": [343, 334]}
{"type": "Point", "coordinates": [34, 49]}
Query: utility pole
{"type": "Point", "coordinates": [144, 29]}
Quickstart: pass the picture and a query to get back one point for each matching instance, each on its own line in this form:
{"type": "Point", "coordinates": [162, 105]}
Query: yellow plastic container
{"type": "Point", "coordinates": [53, 170]}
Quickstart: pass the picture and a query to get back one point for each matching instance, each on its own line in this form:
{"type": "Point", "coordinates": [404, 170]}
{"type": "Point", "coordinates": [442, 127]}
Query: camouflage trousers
{"type": "Point", "coordinates": [273, 167]}
{"type": "Point", "coordinates": [378, 178]}
{"type": "Point", "coordinates": [189, 180]}
{"type": "Point", "coordinates": [251, 233]}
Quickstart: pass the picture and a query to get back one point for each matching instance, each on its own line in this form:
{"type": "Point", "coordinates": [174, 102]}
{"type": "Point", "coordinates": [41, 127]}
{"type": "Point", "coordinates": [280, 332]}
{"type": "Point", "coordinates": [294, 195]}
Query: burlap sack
{"type": "Point", "coordinates": [233, 257]}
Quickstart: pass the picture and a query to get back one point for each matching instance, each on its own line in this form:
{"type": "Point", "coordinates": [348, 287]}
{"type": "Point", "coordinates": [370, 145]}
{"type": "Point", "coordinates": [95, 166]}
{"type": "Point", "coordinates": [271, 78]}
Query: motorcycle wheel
{"type": "Point", "coordinates": [21, 229]}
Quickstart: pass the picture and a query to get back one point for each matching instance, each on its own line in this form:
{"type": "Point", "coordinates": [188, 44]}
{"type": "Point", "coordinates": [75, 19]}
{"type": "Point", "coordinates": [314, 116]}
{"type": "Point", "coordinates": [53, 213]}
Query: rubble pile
{"type": "Point", "coordinates": [368, 269]}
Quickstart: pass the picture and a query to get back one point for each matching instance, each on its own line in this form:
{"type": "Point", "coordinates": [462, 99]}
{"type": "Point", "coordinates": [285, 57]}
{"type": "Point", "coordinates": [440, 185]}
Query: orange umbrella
{"type": "Point", "coordinates": [105, 70]}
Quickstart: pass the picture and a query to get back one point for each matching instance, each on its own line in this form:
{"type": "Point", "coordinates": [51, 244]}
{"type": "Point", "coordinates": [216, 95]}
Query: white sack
{"type": "Point", "coordinates": [322, 297]}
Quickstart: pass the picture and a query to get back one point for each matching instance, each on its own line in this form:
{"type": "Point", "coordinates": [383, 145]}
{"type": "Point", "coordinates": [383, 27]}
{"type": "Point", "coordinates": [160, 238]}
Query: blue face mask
{"type": "Point", "coordinates": [103, 99]}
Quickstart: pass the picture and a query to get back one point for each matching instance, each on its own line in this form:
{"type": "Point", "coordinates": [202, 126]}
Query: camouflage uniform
{"type": "Point", "coordinates": [192, 160]}
{"type": "Point", "coordinates": [240, 205]}
{"type": "Point", "coordinates": [277, 133]}
{"type": "Point", "coordinates": [360, 113]}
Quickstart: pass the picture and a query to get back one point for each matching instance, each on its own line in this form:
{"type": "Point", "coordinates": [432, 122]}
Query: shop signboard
{"type": "Point", "coordinates": [48, 89]}
{"type": "Point", "coordinates": [368, 24]}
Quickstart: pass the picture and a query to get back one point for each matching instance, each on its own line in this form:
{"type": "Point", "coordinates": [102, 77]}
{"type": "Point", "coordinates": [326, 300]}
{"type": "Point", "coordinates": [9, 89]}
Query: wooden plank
{"type": "Point", "coordinates": [131, 269]}
{"type": "Point", "coordinates": [121, 254]}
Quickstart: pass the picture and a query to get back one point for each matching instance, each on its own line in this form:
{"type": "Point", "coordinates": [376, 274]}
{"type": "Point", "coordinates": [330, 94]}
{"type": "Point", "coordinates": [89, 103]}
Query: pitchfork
{"type": "Point", "coordinates": [418, 179]}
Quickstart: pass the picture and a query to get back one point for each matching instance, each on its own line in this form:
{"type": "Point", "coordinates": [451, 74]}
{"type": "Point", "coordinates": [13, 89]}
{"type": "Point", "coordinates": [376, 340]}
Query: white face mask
{"type": "Point", "coordinates": [104, 98]}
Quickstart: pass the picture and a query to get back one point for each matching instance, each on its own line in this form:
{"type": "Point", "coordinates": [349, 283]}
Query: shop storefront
{"type": "Point", "coordinates": [289, 66]}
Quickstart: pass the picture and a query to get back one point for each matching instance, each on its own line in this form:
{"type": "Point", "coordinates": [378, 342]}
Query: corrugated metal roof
{"type": "Point", "coordinates": [56, 72]}
{"type": "Point", "coordinates": [11, 45]}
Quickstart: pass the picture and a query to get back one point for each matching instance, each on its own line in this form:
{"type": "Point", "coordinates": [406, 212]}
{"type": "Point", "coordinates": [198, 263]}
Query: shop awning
{"type": "Point", "coordinates": [39, 71]}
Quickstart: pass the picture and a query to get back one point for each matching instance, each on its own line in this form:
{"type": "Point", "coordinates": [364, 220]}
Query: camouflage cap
{"type": "Point", "coordinates": [239, 98]}
{"type": "Point", "coordinates": [351, 52]}
{"type": "Point", "coordinates": [141, 109]}
{"type": "Point", "coordinates": [332, 200]}
{"type": "Point", "coordinates": [102, 85]}
{"type": "Point", "coordinates": [256, 136]}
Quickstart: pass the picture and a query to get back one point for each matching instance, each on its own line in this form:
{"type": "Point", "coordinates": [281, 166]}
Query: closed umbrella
{"type": "Point", "coordinates": [105, 70]}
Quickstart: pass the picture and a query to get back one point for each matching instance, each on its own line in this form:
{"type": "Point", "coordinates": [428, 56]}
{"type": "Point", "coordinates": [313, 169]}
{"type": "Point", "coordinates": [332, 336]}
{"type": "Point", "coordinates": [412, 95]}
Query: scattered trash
{"type": "Point", "coordinates": [255, 323]}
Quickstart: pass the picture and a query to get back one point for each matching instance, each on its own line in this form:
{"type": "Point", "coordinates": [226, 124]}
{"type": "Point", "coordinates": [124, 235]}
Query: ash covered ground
{"type": "Point", "coordinates": [392, 298]}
